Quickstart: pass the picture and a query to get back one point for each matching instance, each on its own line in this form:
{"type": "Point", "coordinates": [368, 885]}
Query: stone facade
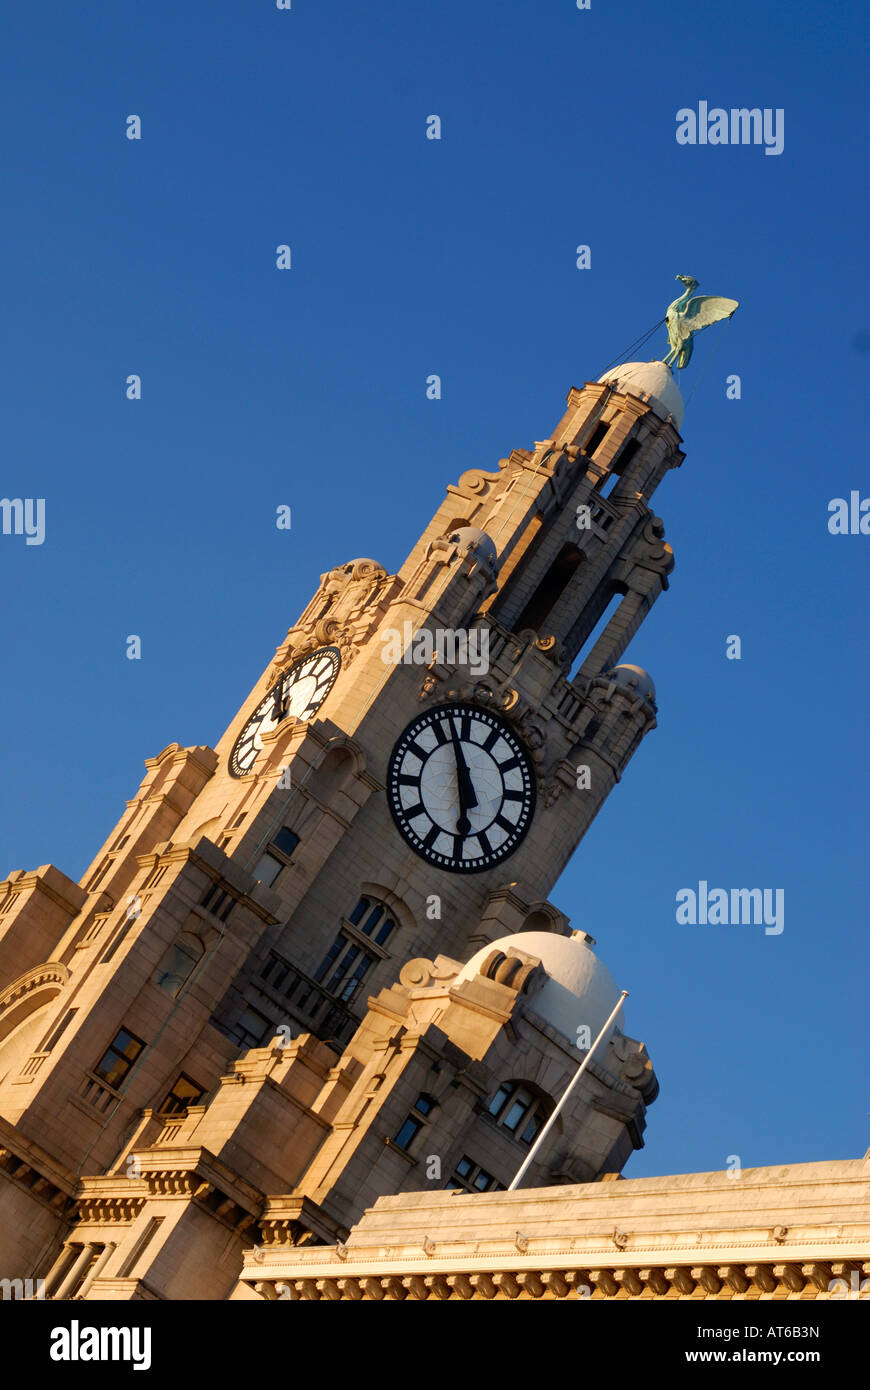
{"type": "Point", "coordinates": [801, 1231]}
{"type": "Point", "coordinates": [261, 1011]}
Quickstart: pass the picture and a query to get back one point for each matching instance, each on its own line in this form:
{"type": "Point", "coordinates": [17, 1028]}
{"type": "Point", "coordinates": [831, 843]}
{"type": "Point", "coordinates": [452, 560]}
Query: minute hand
{"type": "Point", "coordinates": [465, 786]}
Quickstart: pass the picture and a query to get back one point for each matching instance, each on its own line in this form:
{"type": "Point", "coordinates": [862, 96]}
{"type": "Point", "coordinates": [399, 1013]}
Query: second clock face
{"type": "Point", "coordinates": [300, 692]}
{"type": "Point", "coordinates": [461, 788]}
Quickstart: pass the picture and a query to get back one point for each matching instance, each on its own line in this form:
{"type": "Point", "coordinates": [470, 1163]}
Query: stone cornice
{"type": "Point", "coordinates": [804, 1278]}
{"type": "Point", "coordinates": [769, 1233]}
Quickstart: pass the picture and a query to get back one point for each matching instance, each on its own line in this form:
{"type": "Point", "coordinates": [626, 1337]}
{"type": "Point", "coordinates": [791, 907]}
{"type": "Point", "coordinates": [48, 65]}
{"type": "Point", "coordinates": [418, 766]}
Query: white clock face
{"type": "Point", "coordinates": [461, 788]}
{"type": "Point", "coordinates": [299, 692]}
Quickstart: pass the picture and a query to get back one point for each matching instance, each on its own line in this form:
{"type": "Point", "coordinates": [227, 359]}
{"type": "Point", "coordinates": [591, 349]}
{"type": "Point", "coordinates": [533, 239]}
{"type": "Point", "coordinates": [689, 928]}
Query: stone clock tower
{"type": "Point", "coordinates": [319, 964]}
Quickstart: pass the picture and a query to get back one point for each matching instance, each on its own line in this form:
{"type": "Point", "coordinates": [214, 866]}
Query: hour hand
{"type": "Point", "coordinates": [278, 706]}
{"type": "Point", "coordinates": [465, 786]}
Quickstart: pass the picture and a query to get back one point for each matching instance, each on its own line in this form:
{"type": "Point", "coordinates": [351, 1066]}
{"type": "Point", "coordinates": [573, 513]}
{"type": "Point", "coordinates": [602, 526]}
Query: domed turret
{"type": "Point", "coordinates": [577, 989]}
{"type": "Point", "coordinates": [472, 539]}
{"type": "Point", "coordinates": [636, 679]}
{"type": "Point", "coordinates": [651, 382]}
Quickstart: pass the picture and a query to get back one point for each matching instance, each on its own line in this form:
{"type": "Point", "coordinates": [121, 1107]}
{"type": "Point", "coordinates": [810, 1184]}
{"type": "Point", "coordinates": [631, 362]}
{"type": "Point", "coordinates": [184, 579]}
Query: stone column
{"type": "Point", "coordinates": [75, 1272]}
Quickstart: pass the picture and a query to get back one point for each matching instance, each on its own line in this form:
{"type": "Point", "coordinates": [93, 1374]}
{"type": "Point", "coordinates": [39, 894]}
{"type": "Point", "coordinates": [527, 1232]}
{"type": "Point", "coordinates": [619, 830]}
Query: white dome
{"type": "Point", "coordinates": [472, 538]}
{"type": "Point", "coordinates": [651, 382]}
{"type": "Point", "coordinates": [578, 990]}
{"type": "Point", "coordinates": [634, 678]}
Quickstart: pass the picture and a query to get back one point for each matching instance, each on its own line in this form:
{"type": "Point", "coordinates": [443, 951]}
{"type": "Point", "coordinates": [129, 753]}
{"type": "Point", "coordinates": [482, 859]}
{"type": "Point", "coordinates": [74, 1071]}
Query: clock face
{"type": "Point", "coordinates": [300, 692]}
{"type": "Point", "coordinates": [461, 788]}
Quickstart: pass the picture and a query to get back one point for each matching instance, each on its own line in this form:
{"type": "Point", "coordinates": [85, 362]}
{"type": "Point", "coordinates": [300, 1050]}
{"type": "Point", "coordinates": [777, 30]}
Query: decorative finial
{"type": "Point", "coordinates": [687, 316]}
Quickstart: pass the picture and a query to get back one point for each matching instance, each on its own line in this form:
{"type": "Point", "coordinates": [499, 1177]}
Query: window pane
{"type": "Point", "coordinates": [184, 1093]}
{"type": "Point", "coordinates": [361, 907]}
{"type": "Point", "coordinates": [112, 1068]}
{"type": "Point", "coordinates": [372, 920]}
{"type": "Point", "coordinates": [482, 1181]}
{"type": "Point", "coordinates": [385, 932]}
{"type": "Point", "coordinates": [424, 1104]}
{"type": "Point", "coordinates": [513, 1116]}
{"type": "Point", "coordinates": [464, 1167]}
{"type": "Point", "coordinates": [330, 957]}
{"type": "Point", "coordinates": [499, 1099]}
{"type": "Point", "coordinates": [407, 1132]}
{"type": "Point", "coordinates": [285, 841]}
{"type": "Point", "coordinates": [356, 978]}
{"type": "Point", "coordinates": [253, 1027]}
{"type": "Point", "coordinates": [118, 1058]}
{"type": "Point", "coordinates": [127, 1045]}
{"type": "Point", "coordinates": [268, 869]}
{"type": "Point", "coordinates": [177, 965]}
{"type": "Point", "coordinates": [345, 964]}
{"type": "Point", "coordinates": [531, 1128]}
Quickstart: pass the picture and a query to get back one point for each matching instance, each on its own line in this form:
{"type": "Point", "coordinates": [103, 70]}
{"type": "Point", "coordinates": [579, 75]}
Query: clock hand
{"type": "Point", "coordinates": [465, 786]}
{"type": "Point", "coordinates": [278, 706]}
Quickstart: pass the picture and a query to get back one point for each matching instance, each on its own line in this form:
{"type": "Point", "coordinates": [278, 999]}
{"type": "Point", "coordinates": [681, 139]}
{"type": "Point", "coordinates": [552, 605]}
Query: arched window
{"type": "Point", "coordinates": [521, 1109]}
{"type": "Point", "coordinates": [178, 964]}
{"type": "Point", "coordinates": [350, 959]}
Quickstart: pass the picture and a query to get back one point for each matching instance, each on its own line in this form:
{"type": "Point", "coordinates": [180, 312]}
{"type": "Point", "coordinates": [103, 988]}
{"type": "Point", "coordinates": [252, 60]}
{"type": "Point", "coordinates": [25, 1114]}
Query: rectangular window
{"type": "Point", "coordinates": [285, 841]}
{"type": "Point", "coordinates": [218, 902]}
{"type": "Point", "coordinates": [277, 856]}
{"type": "Point", "coordinates": [118, 1058]}
{"type": "Point", "coordinates": [409, 1130]}
{"type": "Point", "coordinates": [275, 972]}
{"type": "Point", "coordinates": [521, 1103]}
{"type": "Point", "coordinates": [499, 1099]}
{"type": "Point", "coordinates": [268, 869]}
{"type": "Point", "coordinates": [472, 1178]}
{"type": "Point", "coordinates": [184, 1093]}
{"type": "Point", "coordinates": [251, 1028]}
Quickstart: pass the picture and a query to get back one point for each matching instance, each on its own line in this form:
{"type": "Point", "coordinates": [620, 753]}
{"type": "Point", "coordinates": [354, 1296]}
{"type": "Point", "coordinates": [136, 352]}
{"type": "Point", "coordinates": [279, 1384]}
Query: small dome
{"type": "Point", "coordinates": [634, 678]}
{"type": "Point", "coordinates": [578, 988]}
{"type": "Point", "coordinates": [471, 538]}
{"type": "Point", "coordinates": [651, 382]}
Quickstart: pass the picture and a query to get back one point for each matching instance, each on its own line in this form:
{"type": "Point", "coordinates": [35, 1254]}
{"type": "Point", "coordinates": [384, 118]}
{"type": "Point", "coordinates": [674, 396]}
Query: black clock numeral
{"type": "Point", "coordinates": [413, 811]}
{"type": "Point", "coordinates": [430, 838]}
{"type": "Point", "coordinates": [484, 842]}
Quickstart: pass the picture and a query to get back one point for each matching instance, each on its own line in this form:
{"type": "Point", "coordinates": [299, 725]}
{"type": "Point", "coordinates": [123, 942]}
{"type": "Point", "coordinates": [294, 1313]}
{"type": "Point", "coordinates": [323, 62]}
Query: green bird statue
{"type": "Point", "coordinates": [687, 316]}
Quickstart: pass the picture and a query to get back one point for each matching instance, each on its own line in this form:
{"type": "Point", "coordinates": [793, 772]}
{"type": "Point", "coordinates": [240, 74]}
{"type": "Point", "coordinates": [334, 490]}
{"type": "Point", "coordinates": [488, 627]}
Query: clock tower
{"type": "Point", "coordinates": [319, 963]}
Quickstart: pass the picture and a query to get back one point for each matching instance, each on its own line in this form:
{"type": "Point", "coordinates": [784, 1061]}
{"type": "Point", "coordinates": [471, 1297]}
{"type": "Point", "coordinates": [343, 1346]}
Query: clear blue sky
{"type": "Point", "coordinates": [456, 257]}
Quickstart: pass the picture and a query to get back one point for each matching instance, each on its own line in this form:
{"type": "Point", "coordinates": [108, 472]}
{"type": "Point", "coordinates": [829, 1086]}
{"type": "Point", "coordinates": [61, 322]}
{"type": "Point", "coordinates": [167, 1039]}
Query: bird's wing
{"type": "Point", "coordinates": [705, 309]}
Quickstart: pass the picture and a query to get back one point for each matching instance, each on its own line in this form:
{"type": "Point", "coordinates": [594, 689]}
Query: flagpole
{"type": "Point", "coordinates": [567, 1092]}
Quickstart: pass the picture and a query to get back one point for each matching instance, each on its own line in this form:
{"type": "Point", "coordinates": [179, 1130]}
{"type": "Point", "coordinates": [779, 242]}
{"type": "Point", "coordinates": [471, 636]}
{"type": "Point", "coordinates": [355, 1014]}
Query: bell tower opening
{"type": "Point", "coordinates": [551, 588]}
